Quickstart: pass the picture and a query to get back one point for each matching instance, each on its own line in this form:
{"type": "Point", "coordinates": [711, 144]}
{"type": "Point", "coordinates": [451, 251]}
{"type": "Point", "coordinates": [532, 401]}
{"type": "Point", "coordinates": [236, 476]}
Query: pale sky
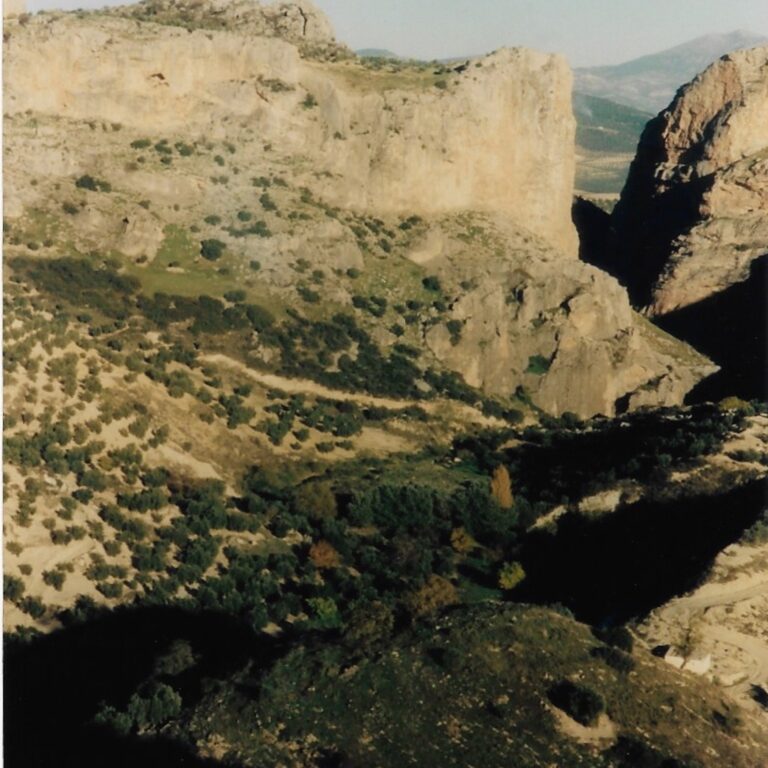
{"type": "Point", "coordinates": [588, 32]}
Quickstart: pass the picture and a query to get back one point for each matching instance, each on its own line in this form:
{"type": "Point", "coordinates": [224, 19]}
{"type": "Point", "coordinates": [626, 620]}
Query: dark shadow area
{"type": "Point", "coordinates": [595, 236]}
{"type": "Point", "coordinates": [760, 695]}
{"type": "Point", "coordinates": [646, 221]}
{"type": "Point", "coordinates": [568, 465]}
{"type": "Point", "coordinates": [732, 329]}
{"type": "Point", "coordinates": [610, 569]}
{"type": "Point", "coordinates": [56, 683]}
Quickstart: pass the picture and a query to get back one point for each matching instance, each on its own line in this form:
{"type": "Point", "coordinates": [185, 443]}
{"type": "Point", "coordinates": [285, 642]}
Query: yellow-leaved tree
{"type": "Point", "coordinates": [501, 488]}
{"type": "Point", "coordinates": [510, 575]}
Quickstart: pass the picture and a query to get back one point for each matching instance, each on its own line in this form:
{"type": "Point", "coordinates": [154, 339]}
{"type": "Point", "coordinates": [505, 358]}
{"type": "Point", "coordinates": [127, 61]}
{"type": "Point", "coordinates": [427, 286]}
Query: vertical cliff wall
{"type": "Point", "coordinates": [496, 135]}
{"type": "Point", "coordinates": [694, 213]}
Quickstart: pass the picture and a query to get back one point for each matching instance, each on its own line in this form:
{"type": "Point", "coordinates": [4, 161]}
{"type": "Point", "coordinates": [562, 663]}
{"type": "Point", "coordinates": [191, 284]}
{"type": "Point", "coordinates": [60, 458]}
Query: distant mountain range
{"type": "Point", "coordinates": [377, 53]}
{"type": "Point", "coordinates": [650, 82]}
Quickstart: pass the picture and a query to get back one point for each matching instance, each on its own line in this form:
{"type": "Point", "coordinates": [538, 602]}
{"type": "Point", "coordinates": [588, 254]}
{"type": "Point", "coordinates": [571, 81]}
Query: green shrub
{"type": "Point", "coordinates": [54, 579]}
{"type": "Point", "coordinates": [32, 606]}
{"type": "Point", "coordinates": [308, 295]}
{"type": "Point", "coordinates": [614, 658]}
{"type": "Point", "coordinates": [110, 589]}
{"type": "Point", "coordinates": [143, 501]}
{"type": "Point", "coordinates": [13, 588]}
{"type": "Point", "coordinates": [94, 185]}
{"type": "Point", "coordinates": [212, 249]}
{"type": "Point", "coordinates": [267, 203]}
{"type": "Point", "coordinates": [455, 328]}
{"type": "Point", "coordinates": [113, 547]}
{"type": "Point", "coordinates": [538, 365]}
{"type": "Point", "coordinates": [431, 283]}
{"type": "Point", "coordinates": [578, 701]}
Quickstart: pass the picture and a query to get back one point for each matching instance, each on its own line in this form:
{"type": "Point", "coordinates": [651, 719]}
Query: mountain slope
{"type": "Point", "coordinates": [376, 53]}
{"type": "Point", "coordinates": [606, 139]}
{"type": "Point", "coordinates": [650, 82]}
{"type": "Point", "coordinates": [607, 126]}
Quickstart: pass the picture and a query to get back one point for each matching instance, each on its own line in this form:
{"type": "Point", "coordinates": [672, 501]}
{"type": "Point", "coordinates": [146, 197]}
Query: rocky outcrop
{"type": "Point", "coordinates": [556, 331]}
{"type": "Point", "coordinates": [14, 7]}
{"type": "Point", "coordinates": [298, 21]}
{"type": "Point", "coordinates": [496, 136]}
{"type": "Point", "coordinates": [694, 213]}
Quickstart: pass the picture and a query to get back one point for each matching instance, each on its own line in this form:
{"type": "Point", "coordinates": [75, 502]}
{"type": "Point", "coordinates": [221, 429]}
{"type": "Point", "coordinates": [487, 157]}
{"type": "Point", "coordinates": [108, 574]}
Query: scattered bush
{"type": "Point", "coordinates": [55, 579]}
{"type": "Point", "coordinates": [91, 184]}
{"type": "Point", "coordinates": [614, 658]}
{"type": "Point", "coordinates": [578, 701]}
{"type": "Point", "coordinates": [212, 249]}
{"type": "Point", "coordinates": [538, 365]}
{"type": "Point", "coordinates": [13, 588]}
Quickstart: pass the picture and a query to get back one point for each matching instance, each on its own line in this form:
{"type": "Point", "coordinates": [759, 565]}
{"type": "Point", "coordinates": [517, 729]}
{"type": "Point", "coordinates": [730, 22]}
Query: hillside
{"type": "Point", "coordinates": [319, 436]}
{"type": "Point", "coordinates": [376, 53]}
{"type": "Point", "coordinates": [606, 139]}
{"type": "Point", "coordinates": [650, 82]}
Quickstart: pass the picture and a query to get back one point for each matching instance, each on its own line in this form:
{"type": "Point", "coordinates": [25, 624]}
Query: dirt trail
{"type": "Point", "coordinates": [296, 386]}
{"type": "Point", "coordinates": [307, 386]}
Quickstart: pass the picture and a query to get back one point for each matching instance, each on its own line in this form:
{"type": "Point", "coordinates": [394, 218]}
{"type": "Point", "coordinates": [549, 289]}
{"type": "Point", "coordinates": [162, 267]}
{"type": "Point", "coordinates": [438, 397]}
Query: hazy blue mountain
{"type": "Point", "coordinates": [376, 53]}
{"type": "Point", "coordinates": [650, 82]}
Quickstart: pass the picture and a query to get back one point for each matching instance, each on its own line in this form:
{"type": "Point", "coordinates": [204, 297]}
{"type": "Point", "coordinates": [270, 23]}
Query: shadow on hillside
{"type": "Point", "coordinates": [732, 329]}
{"type": "Point", "coordinates": [56, 683]}
{"type": "Point", "coordinates": [610, 569]}
{"type": "Point", "coordinates": [596, 238]}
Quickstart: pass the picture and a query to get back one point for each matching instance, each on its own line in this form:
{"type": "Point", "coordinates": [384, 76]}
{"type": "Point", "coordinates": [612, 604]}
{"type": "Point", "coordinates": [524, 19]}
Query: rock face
{"type": "Point", "coordinates": [14, 7]}
{"type": "Point", "coordinates": [463, 173]}
{"type": "Point", "coordinates": [496, 137]}
{"type": "Point", "coordinates": [694, 213]}
{"type": "Point", "coordinates": [557, 331]}
{"type": "Point", "coordinates": [298, 21]}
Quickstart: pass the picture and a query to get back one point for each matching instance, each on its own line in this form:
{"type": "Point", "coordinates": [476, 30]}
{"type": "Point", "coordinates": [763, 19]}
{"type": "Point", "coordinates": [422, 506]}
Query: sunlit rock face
{"type": "Point", "coordinates": [694, 213]}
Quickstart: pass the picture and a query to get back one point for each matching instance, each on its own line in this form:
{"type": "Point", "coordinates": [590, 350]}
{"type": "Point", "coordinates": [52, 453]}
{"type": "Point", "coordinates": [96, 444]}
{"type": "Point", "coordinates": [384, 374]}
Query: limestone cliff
{"type": "Point", "coordinates": [694, 213]}
{"type": "Point", "coordinates": [557, 331]}
{"type": "Point", "coordinates": [496, 136]}
{"type": "Point", "coordinates": [14, 7]}
{"type": "Point", "coordinates": [314, 165]}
